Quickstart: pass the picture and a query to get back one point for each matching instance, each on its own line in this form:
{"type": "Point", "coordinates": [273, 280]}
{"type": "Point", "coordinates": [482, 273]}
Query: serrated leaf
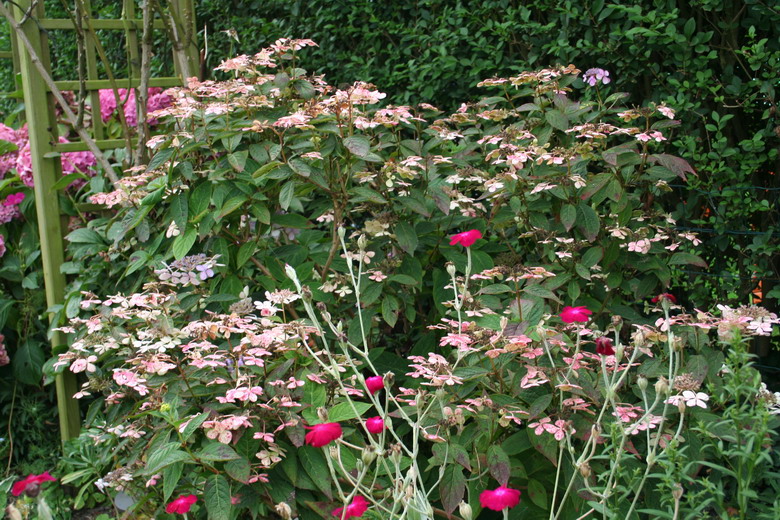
{"type": "Point", "coordinates": [217, 452]}
{"type": "Point", "coordinates": [66, 180]}
{"type": "Point", "coordinates": [452, 487]}
{"type": "Point", "coordinates": [163, 456]}
{"type": "Point", "coordinates": [390, 310]}
{"type": "Point", "coordinates": [217, 498]}
{"type": "Point", "coordinates": [183, 243]}
{"type": "Point", "coordinates": [557, 119]}
{"type": "Point", "coordinates": [286, 195]}
{"type": "Point", "coordinates": [542, 292]}
{"type": "Point", "coordinates": [568, 216]}
{"type": "Point", "coordinates": [406, 236]}
{"type": "Point", "coordinates": [404, 279]}
{"type": "Point", "coordinates": [344, 411]}
{"type": "Point", "coordinates": [239, 470]}
{"type": "Point", "coordinates": [245, 252]}
{"type": "Point", "coordinates": [498, 464]}
{"type": "Point", "coordinates": [171, 475]}
{"type": "Point", "coordinates": [230, 206]}
{"type": "Point", "coordinates": [358, 145]}
{"type": "Point", "coordinates": [315, 465]}
{"type": "Point", "coordinates": [193, 425]}
{"type": "Point", "coordinates": [27, 363]}
{"type": "Point", "coordinates": [538, 494]}
{"type": "Point", "coordinates": [180, 211]}
{"type": "Point", "coordinates": [589, 221]}
{"type": "Point", "coordinates": [687, 258]}
{"type": "Point", "coordinates": [496, 288]}
{"type": "Point", "coordinates": [84, 236]}
{"type": "Point", "coordinates": [238, 160]}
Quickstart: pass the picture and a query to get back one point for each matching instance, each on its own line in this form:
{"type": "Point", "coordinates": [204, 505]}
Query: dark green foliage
{"type": "Point", "coordinates": [715, 62]}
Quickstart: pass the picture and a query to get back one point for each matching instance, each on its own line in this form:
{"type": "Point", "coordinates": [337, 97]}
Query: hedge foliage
{"type": "Point", "coordinates": [714, 60]}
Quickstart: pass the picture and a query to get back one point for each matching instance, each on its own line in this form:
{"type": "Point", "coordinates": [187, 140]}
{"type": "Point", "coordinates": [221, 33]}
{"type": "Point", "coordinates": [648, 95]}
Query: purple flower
{"type": "Point", "coordinates": [205, 270]}
{"type": "Point", "coordinates": [593, 76]}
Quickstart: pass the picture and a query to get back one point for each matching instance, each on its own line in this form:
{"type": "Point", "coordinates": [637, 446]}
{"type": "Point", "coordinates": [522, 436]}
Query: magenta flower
{"type": "Point", "coordinates": [31, 485]}
{"type": "Point", "coordinates": [664, 296]}
{"type": "Point", "coordinates": [375, 425]}
{"type": "Point", "coordinates": [604, 346]}
{"type": "Point", "coordinates": [500, 498]}
{"type": "Point", "coordinates": [323, 434]}
{"type": "Point", "coordinates": [14, 199]}
{"type": "Point", "coordinates": [182, 504]}
{"type": "Point", "coordinates": [467, 238]}
{"type": "Point", "coordinates": [578, 314]}
{"type": "Point", "coordinates": [375, 384]}
{"type": "Point", "coordinates": [356, 509]}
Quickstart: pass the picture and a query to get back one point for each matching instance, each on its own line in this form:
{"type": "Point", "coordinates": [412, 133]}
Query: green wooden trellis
{"type": "Point", "coordinates": [32, 54]}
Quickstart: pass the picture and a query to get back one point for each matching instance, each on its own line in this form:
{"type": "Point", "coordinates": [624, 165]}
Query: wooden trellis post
{"type": "Point", "coordinates": [44, 145]}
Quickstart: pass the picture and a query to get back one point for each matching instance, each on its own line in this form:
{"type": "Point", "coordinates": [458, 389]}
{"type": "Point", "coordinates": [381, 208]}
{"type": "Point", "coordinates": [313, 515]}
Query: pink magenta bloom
{"type": "Point", "coordinates": [375, 384]}
{"type": "Point", "coordinates": [356, 509]}
{"type": "Point", "coordinates": [322, 434]}
{"type": "Point", "coordinates": [500, 498]}
{"type": "Point", "coordinates": [31, 483]}
{"type": "Point", "coordinates": [182, 504]}
{"type": "Point", "coordinates": [14, 199]}
{"type": "Point", "coordinates": [572, 314]}
{"type": "Point", "coordinates": [467, 238]}
{"type": "Point", "coordinates": [604, 346]}
{"type": "Point", "coordinates": [664, 296]}
{"type": "Point", "coordinates": [375, 425]}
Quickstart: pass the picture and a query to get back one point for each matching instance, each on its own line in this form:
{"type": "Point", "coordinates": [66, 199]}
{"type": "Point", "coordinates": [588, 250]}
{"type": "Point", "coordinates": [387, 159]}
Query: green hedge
{"type": "Point", "coordinates": [715, 61]}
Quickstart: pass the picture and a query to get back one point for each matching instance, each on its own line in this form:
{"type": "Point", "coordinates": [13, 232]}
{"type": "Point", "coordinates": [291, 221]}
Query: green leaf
{"type": "Point", "coordinates": [180, 211]}
{"type": "Point", "coordinates": [171, 476]}
{"type": "Point", "coordinates": [452, 487]}
{"type": "Point", "coordinates": [357, 145]}
{"type": "Point", "coordinates": [245, 252]}
{"type": "Point", "coordinates": [303, 88]}
{"type": "Point", "coordinates": [542, 292]}
{"type": "Point", "coordinates": [286, 195]}
{"type": "Point", "coordinates": [66, 180]}
{"type": "Point", "coordinates": [363, 193]}
{"type": "Point", "coordinates": [160, 158]}
{"type": "Point", "coordinates": [568, 216]}
{"type": "Point", "coordinates": [315, 465]}
{"type": "Point", "coordinates": [498, 464]}
{"type": "Point", "coordinates": [163, 456]}
{"type": "Point", "coordinates": [217, 498]}
{"type": "Point", "coordinates": [216, 451]}
{"type": "Point", "coordinates": [230, 206]}
{"type": "Point", "coordinates": [589, 221]}
{"type": "Point", "coordinates": [406, 236]}
{"type": "Point", "coordinates": [199, 199]}
{"type": "Point", "coordinates": [183, 243]}
{"type": "Point", "coordinates": [85, 236]}
{"type": "Point", "coordinates": [344, 412]}
{"type": "Point", "coordinates": [28, 362]}
{"type": "Point", "coordinates": [557, 119]}
{"type": "Point", "coordinates": [238, 160]}
{"type": "Point", "coordinates": [404, 279]}
{"type": "Point", "coordinates": [687, 258]}
{"type": "Point", "coordinates": [390, 310]}
{"type": "Point", "coordinates": [537, 493]}
{"type": "Point", "coordinates": [496, 288]}
{"type": "Point", "coordinates": [239, 470]}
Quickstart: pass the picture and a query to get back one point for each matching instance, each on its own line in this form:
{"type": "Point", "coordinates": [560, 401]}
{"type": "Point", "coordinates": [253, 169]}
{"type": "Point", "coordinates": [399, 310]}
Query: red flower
{"type": "Point", "coordinates": [604, 346]}
{"type": "Point", "coordinates": [664, 296]}
{"type": "Point", "coordinates": [322, 434]}
{"type": "Point", "coordinates": [467, 238]}
{"type": "Point", "coordinates": [572, 314]}
{"type": "Point", "coordinates": [500, 498]}
{"type": "Point", "coordinates": [356, 509]}
{"type": "Point", "coordinates": [31, 484]}
{"type": "Point", "coordinates": [182, 504]}
{"type": "Point", "coordinates": [375, 384]}
{"type": "Point", "coordinates": [375, 424]}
